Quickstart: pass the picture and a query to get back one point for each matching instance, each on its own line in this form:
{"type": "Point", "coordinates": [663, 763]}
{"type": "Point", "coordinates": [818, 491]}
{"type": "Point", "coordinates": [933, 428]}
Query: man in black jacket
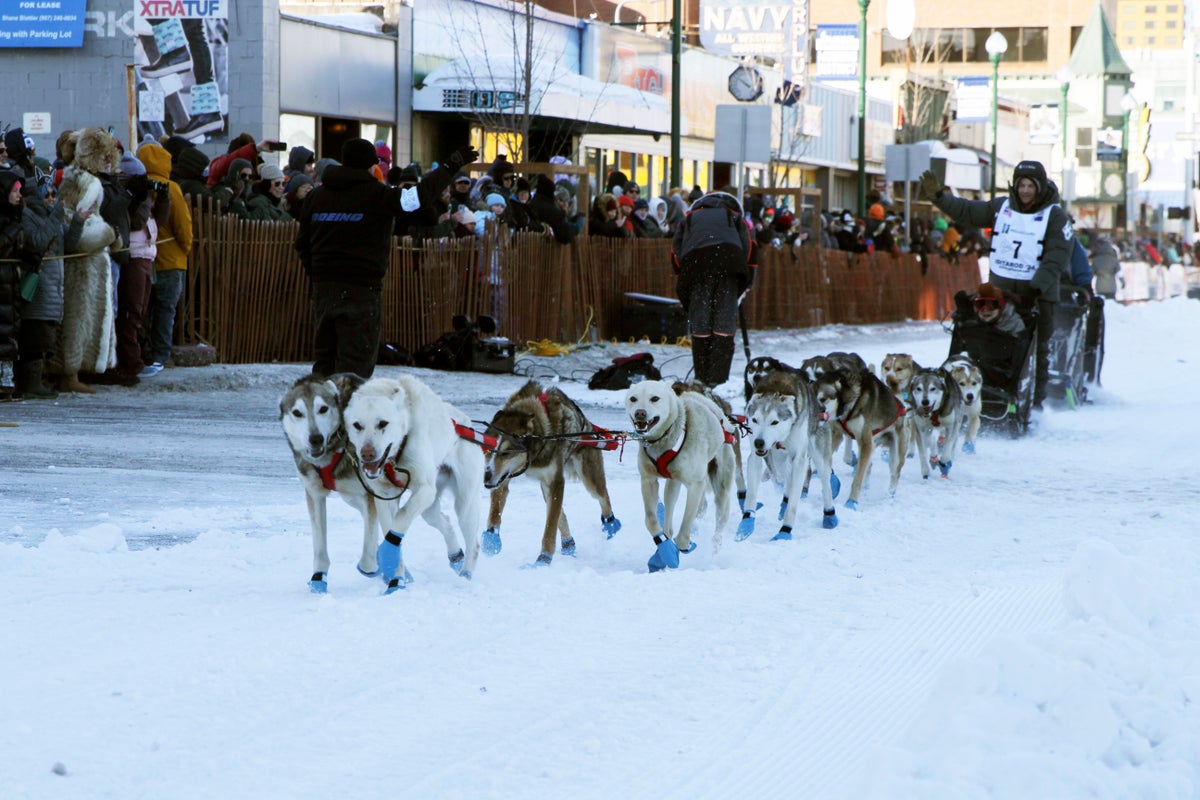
{"type": "Point", "coordinates": [547, 209]}
{"type": "Point", "coordinates": [344, 243]}
{"type": "Point", "coordinates": [715, 259]}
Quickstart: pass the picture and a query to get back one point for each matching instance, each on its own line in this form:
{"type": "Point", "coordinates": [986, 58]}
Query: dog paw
{"type": "Point", "coordinates": [491, 541]}
{"type": "Point", "coordinates": [396, 584]}
{"type": "Point", "coordinates": [852, 505]}
{"type": "Point", "coordinates": [830, 520]}
{"type": "Point", "coordinates": [745, 528]}
{"type": "Point", "coordinates": [691, 548]}
{"type": "Point", "coordinates": [466, 575]}
{"type": "Point", "coordinates": [969, 448]}
{"type": "Point", "coordinates": [388, 555]}
{"type": "Point", "coordinates": [543, 560]}
{"type": "Point", "coordinates": [784, 535]}
{"type": "Point", "coordinates": [610, 525]}
{"type": "Point", "coordinates": [456, 561]}
{"type": "Point", "coordinates": [317, 584]}
{"type": "Point", "coordinates": [365, 574]}
{"type": "Point", "coordinates": [944, 466]}
{"type": "Point", "coordinates": [568, 548]}
{"type": "Point", "coordinates": [666, 556]}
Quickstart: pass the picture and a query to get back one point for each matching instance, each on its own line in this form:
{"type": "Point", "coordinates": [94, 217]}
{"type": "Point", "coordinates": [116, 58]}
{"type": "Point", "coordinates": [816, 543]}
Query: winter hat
{"type": "Point", "coordinates": [875, 212]}
{"type": "Point", "coordinates": [616, 179]}
{"type": "Point", "coordinates": [523, 185]}
{"type": "Point", "coordinates": [410, 173]}
{"type": "Point", "coordinates": [270, 172]}
{"type": "Point", "coordinates": [625, 200]}
{"type": "Point", "coordinates": [500, 168]}
{"type": "Point", "coordinates": [383, 153]}
{"type": "Point", "coordinates": [641, 202]}
{"type": "Point", "coordinates": [298, 180]}
{"type": "Point", "coordinates": [495, 199]}
{"type": "Point", "coordinates": [940, 224]}
{"type": "Point", "coordinates": [236, 166]}
{"type": "Point", "coordinates": [14, 140]}
{"type": "Point", "coordinates": [847, 218]}
{"type": "Point", "coordinates": [322, 165]}
{"type": "Point", "coordinates": [177, 144]}
{"type": "Point", "coordinates": [562, 194]}
{"type": "Point", "coordinates": [1029, 169]}
{"type": "Point", "coordinates": [299, 157]}
{"type": "Point", "coordinates": [131, 166]}
{"type": "Point", "coordinates": [462, 176]}
{"type": "Point", "coordinates": [633, 187]}
{"type": "Point", "coordinates": [190, 162]}
{"type": "Point", "coordinates": [695, 194]}
{"type": "Point", "coordinates": [989, 291]}
{"type": "Point", "coordinates": [359, 154]}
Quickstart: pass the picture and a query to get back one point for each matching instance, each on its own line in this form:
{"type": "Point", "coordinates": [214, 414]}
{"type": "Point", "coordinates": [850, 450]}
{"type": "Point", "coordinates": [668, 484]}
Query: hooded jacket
{"type": "Point", "coordinates": [545, 210]}
{"type": "Point", "coordinates": [715, 219]}
{"type": "Point", "coordinates": [174, 237]}
{"type": "Point", "coordinates": [1054, 266]}
{"type": "Point", "coordinates": [346, 227]}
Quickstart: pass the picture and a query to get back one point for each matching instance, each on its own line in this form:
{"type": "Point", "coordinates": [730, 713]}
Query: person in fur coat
{"type": "Point", "coordinates": [89, 342]}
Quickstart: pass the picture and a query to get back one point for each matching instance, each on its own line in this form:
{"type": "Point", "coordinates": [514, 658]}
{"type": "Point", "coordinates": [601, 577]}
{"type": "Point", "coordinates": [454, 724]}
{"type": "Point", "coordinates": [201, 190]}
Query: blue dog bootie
{"type": "Point", "coordinates": [491, 540]}
{"type": "Point", "coordinates": [388, 555]}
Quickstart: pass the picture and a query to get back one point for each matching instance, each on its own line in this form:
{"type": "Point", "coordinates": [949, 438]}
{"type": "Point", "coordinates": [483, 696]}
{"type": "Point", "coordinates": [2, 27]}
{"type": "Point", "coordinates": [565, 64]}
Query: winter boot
{"type": "Point", "coordinates": [720, 358]}
{"type": "Point", "coordinates": [701, 357]}
{"type": "Point", "coordinates": [71, 383]}
{"type": "Point", "coordinates": [30, 381]}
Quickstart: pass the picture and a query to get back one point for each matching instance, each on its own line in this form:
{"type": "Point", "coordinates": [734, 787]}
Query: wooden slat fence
{"type": "Point", "coordinates": [248, 297]}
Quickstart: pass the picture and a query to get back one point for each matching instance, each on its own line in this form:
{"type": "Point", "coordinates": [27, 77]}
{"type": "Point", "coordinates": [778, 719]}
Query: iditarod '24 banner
{"type": "Point", "coordinates": [181, 57]}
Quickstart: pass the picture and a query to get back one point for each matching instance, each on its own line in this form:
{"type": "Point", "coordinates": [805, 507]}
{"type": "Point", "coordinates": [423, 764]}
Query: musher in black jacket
{"type": "Point", "coordinates": [344, 243]}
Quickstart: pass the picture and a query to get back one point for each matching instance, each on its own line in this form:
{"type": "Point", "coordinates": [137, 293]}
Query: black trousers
{"type": "Point", "coordinates": [348, 320]}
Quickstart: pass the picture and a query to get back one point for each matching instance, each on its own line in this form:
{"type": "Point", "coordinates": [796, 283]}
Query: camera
{"type": "Point", "coordinates": [277, 146]}
{"type": "Point", "coordinates": [158, 186]}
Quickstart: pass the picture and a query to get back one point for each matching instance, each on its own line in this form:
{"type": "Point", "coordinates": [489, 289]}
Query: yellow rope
{"type": "Point", "coordinates": [548, 348]}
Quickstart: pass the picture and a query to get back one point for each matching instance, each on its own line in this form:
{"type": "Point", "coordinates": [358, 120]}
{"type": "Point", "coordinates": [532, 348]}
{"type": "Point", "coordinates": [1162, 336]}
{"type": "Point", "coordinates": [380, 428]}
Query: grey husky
{"type": "Point", "coordinates": [786, 434]}
{"type": "Point", "coordinates": [938, 406]}
{"type": "Point", "coordinates": [311, 414]}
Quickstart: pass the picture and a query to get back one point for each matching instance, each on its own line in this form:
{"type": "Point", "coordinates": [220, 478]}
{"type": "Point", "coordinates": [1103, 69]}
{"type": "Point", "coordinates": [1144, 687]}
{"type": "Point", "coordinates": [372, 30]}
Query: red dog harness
{"type": "Point", "coordinates": [663, 461]}
{"type": "Point", "coordinates": [901, 410]}
{"type": "Point", "coordinates": [326, 472]}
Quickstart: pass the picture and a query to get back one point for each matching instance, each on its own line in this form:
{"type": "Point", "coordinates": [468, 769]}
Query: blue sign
{"type": "Point", "coordinates": [42, 23]}
{"type": "Point", "coordinates": [837, 52]}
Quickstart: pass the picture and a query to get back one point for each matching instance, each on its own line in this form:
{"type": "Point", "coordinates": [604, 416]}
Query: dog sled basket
{"type": "Point", "coordinates": [1009, 367]}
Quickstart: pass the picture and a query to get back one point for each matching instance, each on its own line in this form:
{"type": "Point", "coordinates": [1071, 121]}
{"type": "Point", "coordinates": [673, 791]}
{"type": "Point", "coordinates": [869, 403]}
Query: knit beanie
{"type": "Point", "coordinates": [297, 180]}
{"type": "Point", "coordinates": [14, 140]}
{"type": "Point", "coordinates": [130, 165]}
{"type": "Point", "coordinates": [495, 199]}
{"type": "Point", "coordinates": [359, 154]}
{"type": "Point", "coordinates": [383, 153]}
{"type": "Point", "coordinates": [236, 166]}
{"type": "Point", "coordinates": [191, 162]}
{"type": "Point", "coordinates": [270, 172]}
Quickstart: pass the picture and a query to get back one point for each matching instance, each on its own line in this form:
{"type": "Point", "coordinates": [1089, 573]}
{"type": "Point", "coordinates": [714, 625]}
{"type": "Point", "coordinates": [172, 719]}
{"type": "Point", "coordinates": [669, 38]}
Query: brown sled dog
{"type": "Point", "coordinates": [527, 431]}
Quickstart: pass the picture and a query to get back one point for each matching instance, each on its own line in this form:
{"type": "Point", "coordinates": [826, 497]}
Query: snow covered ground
{"type": "Point", "coordinates": [1026, 629]}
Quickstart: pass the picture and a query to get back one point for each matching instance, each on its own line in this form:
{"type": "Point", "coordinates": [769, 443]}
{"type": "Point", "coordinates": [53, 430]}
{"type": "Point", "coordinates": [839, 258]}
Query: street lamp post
{"type": "Point", "coordinates": [1129, 104]}
{"type": "Point", "coordinates": [996, 45]}
{"type": "Point", "coordinates": [1064, 75]}
{"type": "Point", "coordinates": [862, 107]}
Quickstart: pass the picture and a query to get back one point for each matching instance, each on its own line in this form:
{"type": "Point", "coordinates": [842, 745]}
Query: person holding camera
{"type": "Point", "coordinates": [149, 206]}
{"type": "Point", "coordinates": [170, 260]}
{"type": "Point", "coordinates": [345, 242]}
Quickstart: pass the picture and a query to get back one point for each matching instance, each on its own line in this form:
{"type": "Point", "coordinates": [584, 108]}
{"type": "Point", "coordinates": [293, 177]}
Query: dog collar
{"type": "Point", "coordinates": [326, 472]}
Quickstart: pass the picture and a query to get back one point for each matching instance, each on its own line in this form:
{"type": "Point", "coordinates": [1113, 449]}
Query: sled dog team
{"type": "Point", "coordinates": [393, 450]}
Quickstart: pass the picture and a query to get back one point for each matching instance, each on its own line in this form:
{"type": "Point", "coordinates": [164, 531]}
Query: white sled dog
{"type": "Point", "coordinates": [532, 433]}
{"type": "Point", "coordinates": [684, 442]}
{"type": "Point", "coordinates": [311, 414]}
{"type": "Point", "coordinates": [969, 377]}
{"type": "Point", "coordinates": [785, 434]}
{"type": "Point", "coordinates": [412, 447]}
{"type": "Point", "coordinates": [937, 407]}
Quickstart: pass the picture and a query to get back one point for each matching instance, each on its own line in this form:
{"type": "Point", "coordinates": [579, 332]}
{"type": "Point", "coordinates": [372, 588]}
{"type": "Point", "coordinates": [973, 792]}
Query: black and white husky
{"type": "Point", "coordinates": [938, 406]}
{"type": "Point", "coordinates": [311, 414]}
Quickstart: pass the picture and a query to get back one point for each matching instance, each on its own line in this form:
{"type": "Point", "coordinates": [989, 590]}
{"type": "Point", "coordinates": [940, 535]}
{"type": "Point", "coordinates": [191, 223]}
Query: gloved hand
{"type": "Point", "coordinates": [463, 155]}
{"type": "Point", "coordinates": [929, 187]}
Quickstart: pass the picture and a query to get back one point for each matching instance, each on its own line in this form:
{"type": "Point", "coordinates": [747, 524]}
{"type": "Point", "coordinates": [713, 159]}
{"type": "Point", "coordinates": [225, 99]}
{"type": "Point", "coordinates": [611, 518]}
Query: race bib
{"type": "Point", "coordinates": [409, 199]}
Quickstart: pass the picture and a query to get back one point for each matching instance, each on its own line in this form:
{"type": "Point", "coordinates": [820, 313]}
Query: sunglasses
{"type": "Point", "coordinates": [987, 304]}
{"type": "Point", "coordinates": [246, 176]}
{"type": "Point", "coordinates": [277, 183]}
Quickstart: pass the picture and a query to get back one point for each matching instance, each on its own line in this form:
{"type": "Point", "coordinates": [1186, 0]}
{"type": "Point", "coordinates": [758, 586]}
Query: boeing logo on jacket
{"type": "Point", "coordinates": [336, 216]}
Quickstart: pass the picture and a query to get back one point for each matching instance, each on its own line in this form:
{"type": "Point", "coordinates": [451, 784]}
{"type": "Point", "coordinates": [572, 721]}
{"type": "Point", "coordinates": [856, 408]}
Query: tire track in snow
{"type": "Point", "coordinates": [810, 740]}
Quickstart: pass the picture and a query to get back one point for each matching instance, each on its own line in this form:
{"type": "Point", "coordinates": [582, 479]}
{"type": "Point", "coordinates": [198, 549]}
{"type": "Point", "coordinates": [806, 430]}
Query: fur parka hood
{"type": "Point", "coordinates": [95, 151]}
